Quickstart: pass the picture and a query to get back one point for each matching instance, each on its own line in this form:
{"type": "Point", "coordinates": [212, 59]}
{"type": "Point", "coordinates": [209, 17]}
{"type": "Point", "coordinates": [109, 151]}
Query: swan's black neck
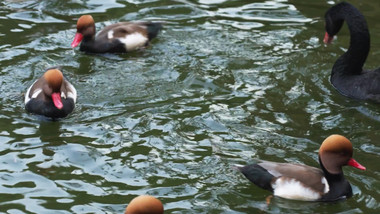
{"type": "Point", "coordinates": [351, 62]}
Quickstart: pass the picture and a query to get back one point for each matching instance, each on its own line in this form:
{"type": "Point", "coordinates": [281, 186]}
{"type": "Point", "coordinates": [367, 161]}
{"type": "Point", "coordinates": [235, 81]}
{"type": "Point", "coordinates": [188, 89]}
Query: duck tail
{"type": "Point", "coordinates": [257, 175]}
{"type": "Point", "coordinates": [153, 29]}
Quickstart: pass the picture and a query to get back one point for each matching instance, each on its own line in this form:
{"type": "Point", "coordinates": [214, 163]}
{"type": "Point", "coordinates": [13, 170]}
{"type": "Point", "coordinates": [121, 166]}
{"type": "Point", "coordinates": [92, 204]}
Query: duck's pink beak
{"type": "Point", "coordinates": [352, 162]}
{"type": "Point", "coordinates": [57, 100]}
{"type": "Point", "coordinates": [328, 39]}
{"type": "Point", "coordinates": [77, 39]}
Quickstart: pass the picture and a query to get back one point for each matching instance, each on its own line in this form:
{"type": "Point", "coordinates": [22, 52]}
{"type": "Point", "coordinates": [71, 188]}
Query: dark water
{"type": "Point", "coordinates": [225, 82]}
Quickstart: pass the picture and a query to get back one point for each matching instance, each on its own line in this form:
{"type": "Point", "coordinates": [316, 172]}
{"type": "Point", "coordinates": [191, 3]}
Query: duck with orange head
{"type": "Point", "coordinates": [301, 182]}
{"type": "Point", "coordinates": [51, 95]}
{"type": "Point", "coordinates": [116, 38]}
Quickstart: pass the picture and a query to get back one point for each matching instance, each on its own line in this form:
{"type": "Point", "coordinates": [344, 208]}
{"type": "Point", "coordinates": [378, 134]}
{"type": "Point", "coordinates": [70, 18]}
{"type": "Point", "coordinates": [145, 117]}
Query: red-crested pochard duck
{"type": "Point", "coordinates": [348, 75]}
{"type": "Point", "coordinates": [145, 204]}
{"type": "Point", "coordinates": [51, 95]}
{"type": "Point", "coordinates": [116, 38]}
{"type": "Point", "coordinates": [301, 182]}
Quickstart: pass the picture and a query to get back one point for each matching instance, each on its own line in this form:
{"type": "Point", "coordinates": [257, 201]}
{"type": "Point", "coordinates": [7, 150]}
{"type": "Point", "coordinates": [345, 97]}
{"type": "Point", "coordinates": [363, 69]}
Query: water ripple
{"type": "Point", "coordinates": [224, 82]}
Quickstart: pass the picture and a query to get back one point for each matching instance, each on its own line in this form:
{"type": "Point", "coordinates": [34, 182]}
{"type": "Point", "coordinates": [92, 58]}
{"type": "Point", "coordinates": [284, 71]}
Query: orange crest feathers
{"type": "Point", "coordinates": [336, 143]}
{"type": "Point", "coordinates": [54, 78]}
{"type": "Point", "coordinates": [145, 204]}
{"type": "Point", "coordinates": [84, 21]}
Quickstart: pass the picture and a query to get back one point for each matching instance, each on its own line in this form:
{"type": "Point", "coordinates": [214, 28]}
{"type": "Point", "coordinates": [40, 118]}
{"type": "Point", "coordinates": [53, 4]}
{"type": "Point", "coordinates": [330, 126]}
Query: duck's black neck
{"type": "Point", "coordinates": [87, 43]}
{"type": "Point", "coordinates": [329, 176]}
{"type": "Point", "coordinates": [351, 62]}
{"type": "Point", "coordinates": [339, 187]}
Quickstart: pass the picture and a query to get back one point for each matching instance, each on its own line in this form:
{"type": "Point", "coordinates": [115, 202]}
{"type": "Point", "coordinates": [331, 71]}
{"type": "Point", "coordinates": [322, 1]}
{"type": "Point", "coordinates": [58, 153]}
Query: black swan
{"type": "Point", "coordinates": [347, 75]}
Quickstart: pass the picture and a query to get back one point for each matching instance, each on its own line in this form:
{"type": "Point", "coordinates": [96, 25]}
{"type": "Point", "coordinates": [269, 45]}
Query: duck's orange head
{"type": "Point", "coordinates": [335, 152]}
{"type": "Point", "coordinates": [145, 204]}
{"type": "Point", "coordinates": [54, 78]}
{"type": "Point", "coordinates": [84, 22]}
{"type": "Point", "coordinates": [85, 28]}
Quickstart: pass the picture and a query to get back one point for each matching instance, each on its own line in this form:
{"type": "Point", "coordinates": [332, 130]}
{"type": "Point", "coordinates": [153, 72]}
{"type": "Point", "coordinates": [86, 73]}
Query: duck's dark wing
{"type": "Point", "coordinates": [122, 29]}
{"type": "Point", "coordinates": [265, 173]}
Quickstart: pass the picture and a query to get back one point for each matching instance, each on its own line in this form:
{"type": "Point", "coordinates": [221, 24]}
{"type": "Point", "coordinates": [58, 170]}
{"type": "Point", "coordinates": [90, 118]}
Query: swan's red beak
{"type": "Point", "coordinates": [77, 39]}
{"type": "Point", "coordinates": [328, 39]}
{"type": "Point", "coordinates": [57, 100]}
{"type": "Point", "coordinates": [352, 162]}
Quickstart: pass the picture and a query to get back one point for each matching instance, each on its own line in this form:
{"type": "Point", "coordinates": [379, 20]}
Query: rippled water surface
{"type": "Point", "coordinates": [224, 82]}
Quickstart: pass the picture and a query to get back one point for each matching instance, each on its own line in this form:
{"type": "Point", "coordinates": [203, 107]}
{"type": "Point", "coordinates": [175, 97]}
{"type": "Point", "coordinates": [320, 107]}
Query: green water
{"type": "Point", "coordinates": [224, 82]}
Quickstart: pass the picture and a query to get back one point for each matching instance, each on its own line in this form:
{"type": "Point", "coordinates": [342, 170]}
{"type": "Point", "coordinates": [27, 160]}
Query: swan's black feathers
{"type": "Point", "coordinates": [347, 75]}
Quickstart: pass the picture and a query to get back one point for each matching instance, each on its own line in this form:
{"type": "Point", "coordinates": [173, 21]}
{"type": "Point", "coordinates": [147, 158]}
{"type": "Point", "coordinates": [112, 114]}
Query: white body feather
{"type": "Point", "coordinates": [293, 189]}
{"type": "Point", "coordinates": [34, 94]}
{"type": "Point", "coordinates": [134, 41]}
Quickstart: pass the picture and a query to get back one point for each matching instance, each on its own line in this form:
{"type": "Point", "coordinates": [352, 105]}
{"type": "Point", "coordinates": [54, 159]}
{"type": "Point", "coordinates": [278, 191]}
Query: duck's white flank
{"type": "Point", "coordinates": [63, 95]}
{"type": "Point", "coordinates": [327, 187]}
{"type": "Point", "coordinates": [35, 94]}
{"type": "Point", "coordinates": [134, 41]}
{"type": "Point", "coordinates": [293, 189]}
{"type": "Point", "coordinates": [72, 92]}
{"type": "Point", "coordinates": [110, 34]}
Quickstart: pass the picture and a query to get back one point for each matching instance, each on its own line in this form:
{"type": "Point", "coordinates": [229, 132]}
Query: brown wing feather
{"type": "Point", "coordinates": [309, 176]}
{"type": "Point", "coordinates": [124, 28]}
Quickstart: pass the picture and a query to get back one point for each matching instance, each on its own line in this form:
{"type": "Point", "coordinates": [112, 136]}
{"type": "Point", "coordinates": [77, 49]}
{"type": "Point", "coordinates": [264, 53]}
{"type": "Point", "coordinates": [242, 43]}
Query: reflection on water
{"type": "Point", "coordinates": [224, 82]}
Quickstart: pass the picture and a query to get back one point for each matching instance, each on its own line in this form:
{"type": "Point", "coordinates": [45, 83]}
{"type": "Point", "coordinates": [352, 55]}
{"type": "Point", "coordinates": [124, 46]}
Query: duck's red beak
{"type": "Point", "coordinates": [57, 100]}
{"type": "Point", "coordinates": [328, 39]}
{"type": "Point", "coordinates": [77, 39]}
{"type": "Point", "coordinates": [352, 162]}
